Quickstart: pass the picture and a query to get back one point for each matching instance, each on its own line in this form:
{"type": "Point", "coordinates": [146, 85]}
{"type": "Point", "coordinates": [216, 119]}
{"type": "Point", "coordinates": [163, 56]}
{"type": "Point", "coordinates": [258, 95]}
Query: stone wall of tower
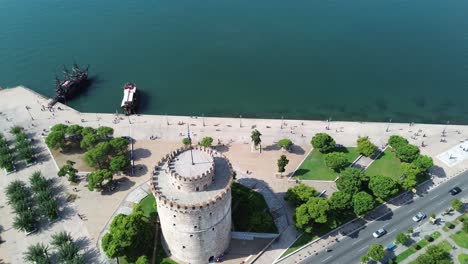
{"type": "Point", "coordinates": [195, 234]}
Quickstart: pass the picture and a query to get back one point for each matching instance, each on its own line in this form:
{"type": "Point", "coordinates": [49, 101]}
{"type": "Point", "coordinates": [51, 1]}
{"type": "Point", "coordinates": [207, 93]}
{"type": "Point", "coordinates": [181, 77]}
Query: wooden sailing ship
{"type": "Point", "coordinates": [74, 82]}
{"type": "Point", "coordinates": [130, 99]}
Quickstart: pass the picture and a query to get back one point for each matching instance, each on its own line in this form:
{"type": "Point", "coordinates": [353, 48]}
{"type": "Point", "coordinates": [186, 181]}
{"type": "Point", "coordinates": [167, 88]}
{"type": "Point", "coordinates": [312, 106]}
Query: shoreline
{"type": "Point", "coordinates": [247, 117]}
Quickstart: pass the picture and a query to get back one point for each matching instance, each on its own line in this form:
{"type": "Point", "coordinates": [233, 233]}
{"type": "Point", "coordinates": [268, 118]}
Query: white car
{"type": "Point", "coordinates": [419, 216]}
{"type": "Point", "coordinates": [379, 233]}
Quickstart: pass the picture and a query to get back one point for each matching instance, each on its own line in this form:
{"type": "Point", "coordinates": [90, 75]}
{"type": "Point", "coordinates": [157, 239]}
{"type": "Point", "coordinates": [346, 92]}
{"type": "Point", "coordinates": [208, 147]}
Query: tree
{"type": "Point", "coordinates": [74, 132]}
{"type": "Point", "coordinates": [37, 254]}
{"type": "Point", "coordinates": [282, 162]}
{"type": "Point", "coordinates": [323, 142]}
{"type": "Point", "coordinates": [105, 132]}
{"type": "Point", "coordinates": [186, 141]}
{"type": "Point", "coordinates": [89, 141]}
{"type": "Point", "coordinates": [336, 161]}
{"type": "Point", "coordinates": [128, 235]}
{"type": "Point", "coordinates": [364, 259]}
{"type": "Point", "coordinates": [456, 204]}
{"type": "Point", "coordinates": [61, 238]}
{"type": "Point", "coordinates": [318, 208]}
{"type": "Point", "coordinates": [285, 143]}
{"type": "Point", "coordinates": [96, 178]}
{"type": "Point", "coordinates": [366, 147]}
{"type": "Point", "coordinates": [423, 162]}
{"type": "Point", "coordinates": [119, 145]}
{"type": "Point", "coordinates": [435, 254]}
{"type": "Point", "coordinates": [350, 180]}
{"type": "Point", "coordinates": [465, 226]}
{"type": "Point", "coordinates": [49, 208]}
{"type": "Point", "coordinates": [340, 201]}
{"type": "Point", "coordinates": [69, 170]}
{"type": "Point", "coordinates": [59, 127]}
{"type": "Point", "coordinates": [261, 221]}
{"type": "Point", "coordinates": [119, 163]}
{"type": "Point", "coordinates": [68, 253]}
{"type": "Point", "coordinates": [25, 221]}
{"type": "Point", "coordinates": [87, 131]}
{"type": "Point", "coordinates": [300, 194]}
{"type": "Point", "coordinates": [98, 157]}
{"type": "Point", "coordinates": [142, 260]}
{"type": "Point", "coordinates": [55, 140]}
{"type": "Point", "coordinates": [376, 252]}
{"type": "Point", "coordinates": [363, 203]}
{"type": "Point", "coordinates": [411, 172]}
{"type": "Point", "coordinates": [16, 130]}
{"type": "Point", "coordinates": [206, 142]}
{"type": "Point", "coordinates": [407, 153]}
{"type": "Point", "coordinates": [26, 153]}
{"type": "Point", "coordinates": [383, 187]}
{"type": "Point", "coordinates": [402, 238]}
{"type": "Point", "coordinates": [255, 137]}
{"type": "Point", "coordinates": [397, 141]}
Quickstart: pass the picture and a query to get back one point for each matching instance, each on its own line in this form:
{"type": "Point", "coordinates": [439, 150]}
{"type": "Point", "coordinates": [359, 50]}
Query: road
{"type": "Point", "coordinates": [350, 249]}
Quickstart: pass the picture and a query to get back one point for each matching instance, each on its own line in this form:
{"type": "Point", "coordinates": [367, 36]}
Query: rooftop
{"type": "Point", "coordinates": [182, 163]}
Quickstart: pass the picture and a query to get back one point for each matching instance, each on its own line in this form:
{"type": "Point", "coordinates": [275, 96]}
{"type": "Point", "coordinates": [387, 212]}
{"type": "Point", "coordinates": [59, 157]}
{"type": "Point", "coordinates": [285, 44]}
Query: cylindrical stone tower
{"type": "Point", "coordinates": [194, 203]}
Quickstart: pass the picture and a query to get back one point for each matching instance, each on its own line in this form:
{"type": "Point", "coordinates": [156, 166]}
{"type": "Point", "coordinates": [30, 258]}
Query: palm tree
{"type": "Point", "coordinates": [43, 196]}
{"type": "Point", "coordinates": [18, 195]}
{"type": "Point", "coordinates": [37, 254]}
{"type": "Point", "coordinates": [14, 186]}
{"type": "Point", "coordinates": [49, 209]}
{"type": "Point", "coordinates": [22, 205]}
{"type": "Point", "coordinates": [68, 252]}
{"type": "Point", "coordinates": [25, 221]}
{"type": "Point", "coordinates": [38, 182]}
{"type": "Point", "coordinates": [61, 238]}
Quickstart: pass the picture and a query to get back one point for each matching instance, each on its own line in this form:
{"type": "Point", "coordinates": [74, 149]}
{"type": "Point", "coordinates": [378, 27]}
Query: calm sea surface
{"type": "Point", "coordinates": [368, 60]}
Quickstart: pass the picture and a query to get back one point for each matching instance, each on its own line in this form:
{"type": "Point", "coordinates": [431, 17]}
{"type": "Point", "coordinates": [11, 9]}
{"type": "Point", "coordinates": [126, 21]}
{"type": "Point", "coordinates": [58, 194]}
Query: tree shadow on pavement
{"type": "Point", "coordinates": [271, 147]}
{"type": "Point", "coordinates": [438, 172]}
{"type": "Point", "coordinates": [383, 213]}
{"type": "Point", "coordinates": [295, 149]}
{"type": "Point", "coordinates": [141, 153]}
{"type": "Point", "coordinates": [353, 228]}
{"type": "Point", "coordinates": [140, 170]}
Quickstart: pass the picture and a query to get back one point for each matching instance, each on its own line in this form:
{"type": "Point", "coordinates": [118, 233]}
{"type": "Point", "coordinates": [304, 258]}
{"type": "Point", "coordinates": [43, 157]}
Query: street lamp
{"type": "Point", "coordinates": [328, 125]}
{"type": "Point", "coordinates": [203, 117]}
{"type": "Point", "coordinates": [281, 122]}
{"type": "Point", "coordinates": [388, 126]}
{"type": "Point", "coordinates": [240, 120]}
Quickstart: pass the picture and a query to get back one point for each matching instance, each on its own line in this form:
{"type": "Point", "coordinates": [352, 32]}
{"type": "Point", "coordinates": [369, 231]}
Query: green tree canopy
{"type": "Point", "coordinates": [435, 254]}
{"type": "Point", "coordinates": [411, 172]}
{"type": "Point", "coordinates": [98, 157]}
{"type": "Point", "coordinates": [376, 252]}
{"type": "Point", "coordinates": [119, 145]}
{"type": "Point", "coordinates": [16, 130]}
{"type": "Point", "coordinates": [69, 170]}
{"type": "Point", "coordinates": [87, 131]}
{"type": "Point", "coordinates": [363, 203]}
{"type": "Point", "coordinates": [129, 236]}
{"type": "Point", "coordinates": [186, 141]}
{"type": "Point", "coordinates": [323, 142]}
{"type": "Point", "coordinates": [366, 147]}
{"type": "Point", "coordinates": [37, 254]}
{"type": "Point", "coordinates": [255, 137]}
{"type": "Point", "coordinates": [423, 162]}
{"type": "Point", "coordinates": [95, 179]}
{"type": "Point", "coordinates": [340, 201]}
{"type": "Point", "coordinates": [89, 141]}
{"type": "Point", "coordinates": [336, 161]}
{"type": "Point", "coordinates": [300, 194]}
{"type": "Point", "coordinates": [407, 153]}
{"type": "Point", "coordinates": [350, 180]}
{"type": "Point", "coordinates": [456, 204]}
{"type": "Point", "coordinates": [314, 211]}
{"type": "Point", "coordinates": [397, 141]}
{"type": "Point", "coordinates": [285, 143]}
{"type": "Point", "coordinates": [105, 132]}
{"type": "Point", "coordinates": [119, 163]}
{"type": "Point", "coordinates": [206, 142]}
{"type": "Point", "coordinates": [383, 187]}
{"type": "Point", "coordinates": [282, 162]}
{"type": "Point", "coordinates": [74, 132]}
{"type": "Point", "coordinates": [56, 139]}
{"type": "Point", "coordinates": [59, 127]}
{"type": "Point", "coordinates": [142, 260]}
{"type": "Point", "coordinates": [402, 238]}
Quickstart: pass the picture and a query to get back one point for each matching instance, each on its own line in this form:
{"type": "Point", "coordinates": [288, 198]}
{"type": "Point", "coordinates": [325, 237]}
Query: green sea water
{"type": "Point", "coordinates": [366, 60]}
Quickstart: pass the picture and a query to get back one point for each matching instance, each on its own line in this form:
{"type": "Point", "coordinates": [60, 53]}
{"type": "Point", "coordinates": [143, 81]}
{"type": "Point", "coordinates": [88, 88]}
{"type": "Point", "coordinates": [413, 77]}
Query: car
{"type": "Point", "coordinates": [419, 216]}
{"type": "Point", "coordinates": [455, 191]}
{"type": "Point", "coordinates": [379, 233]}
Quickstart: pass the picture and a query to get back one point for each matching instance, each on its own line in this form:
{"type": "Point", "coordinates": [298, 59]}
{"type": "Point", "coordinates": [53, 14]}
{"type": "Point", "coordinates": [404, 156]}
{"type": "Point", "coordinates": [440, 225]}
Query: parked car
{"type": "Point", "coordinates": [419, 216]}
{"type": "Point", "coordinates": [379, 233]}
{"type": "Point", "coordinates": [455, 191]}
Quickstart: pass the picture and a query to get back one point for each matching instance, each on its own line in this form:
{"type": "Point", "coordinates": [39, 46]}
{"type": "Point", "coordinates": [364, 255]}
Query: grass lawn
{"type": "Point", "coordinates": [461, 238]}
{"type": "Point", "coordinates": [463, 258]}
{"type": "Point", "coordinates": [405, 254]}
{"type": "Point", "coordinates": [446, 246]}
{"type": "Point", "coordinates": [314, 168]}
{"type": "Point", "coordinates": [148, 205]}
{"type": "Point", "coordinates": [387, 164]}
{"type": "Point", "coordinates": [250, 212]}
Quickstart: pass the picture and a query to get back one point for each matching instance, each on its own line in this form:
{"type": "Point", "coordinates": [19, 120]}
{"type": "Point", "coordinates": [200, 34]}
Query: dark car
{"type": "Point", "coordinates": [455, 191]}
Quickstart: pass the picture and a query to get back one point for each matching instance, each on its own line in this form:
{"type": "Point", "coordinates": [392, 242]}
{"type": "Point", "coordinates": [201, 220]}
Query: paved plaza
{"type": "Point", "coordinates": [231, 137]}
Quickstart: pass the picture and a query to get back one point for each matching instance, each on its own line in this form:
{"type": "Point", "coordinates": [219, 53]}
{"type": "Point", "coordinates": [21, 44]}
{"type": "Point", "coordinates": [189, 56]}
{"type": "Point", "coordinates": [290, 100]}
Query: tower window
{"type": "Point", "coordinates": [174, 216]}
{"type": "Point", "coordinates": [191, 235]}
{"type": "Point", "coordinates": [198, 189]}
{"type": "Point", "coordinates": [183, 246]}
{"type": "Point", "coordinates": [195, 227]}
{"type": "Point", "coordinates": [173, 224]}
{"type": "Point", "coordinates": [212, 228]}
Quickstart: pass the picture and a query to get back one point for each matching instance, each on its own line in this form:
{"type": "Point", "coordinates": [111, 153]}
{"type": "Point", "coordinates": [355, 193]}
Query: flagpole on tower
{"type": "Point", "coordinates": [188, 136]}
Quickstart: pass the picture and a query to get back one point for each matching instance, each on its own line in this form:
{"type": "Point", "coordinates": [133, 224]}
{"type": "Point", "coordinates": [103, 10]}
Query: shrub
{"type": "Point", "coordinates": [323, 142]}
{"type": "Point", "coordinates": [428, 238]}
{"type": "Point", "coordinates": [285, 143]}
{"type": "Point", "coordinates": [416, 247]}
{"type": "Point", "coordinates": [449, 225]}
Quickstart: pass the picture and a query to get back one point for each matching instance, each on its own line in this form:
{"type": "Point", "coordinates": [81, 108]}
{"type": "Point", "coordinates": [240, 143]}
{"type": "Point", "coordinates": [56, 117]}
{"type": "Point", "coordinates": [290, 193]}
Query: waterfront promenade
{"type": "Point", "coordinates": [19, 106]}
